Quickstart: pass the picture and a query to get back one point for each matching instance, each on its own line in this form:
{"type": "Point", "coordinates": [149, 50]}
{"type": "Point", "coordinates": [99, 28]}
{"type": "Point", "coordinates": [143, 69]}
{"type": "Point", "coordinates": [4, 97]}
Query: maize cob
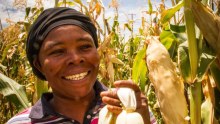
{"type": "Point", "coordinates": [169, 88]}
{"type": "Point", "coordinates": [106, 117]}
{"type": "Point", "coordinates": [128, 114]}
{"type": "Point", "coordinates": [208, 23]}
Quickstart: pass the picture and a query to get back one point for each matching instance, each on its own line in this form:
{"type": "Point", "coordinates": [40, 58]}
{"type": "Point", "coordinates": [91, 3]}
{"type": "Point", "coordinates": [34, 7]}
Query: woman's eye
{"type": "Point", "coordinates": [56, 52]}
{"type": "Point", "coordinates": [85, 47]}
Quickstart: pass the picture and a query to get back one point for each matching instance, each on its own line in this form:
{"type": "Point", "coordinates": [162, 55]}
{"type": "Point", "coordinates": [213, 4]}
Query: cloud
{"type": "Point", "coordinates": [8, 11]}
{"type": "Point", "coordinates": [126, 9]}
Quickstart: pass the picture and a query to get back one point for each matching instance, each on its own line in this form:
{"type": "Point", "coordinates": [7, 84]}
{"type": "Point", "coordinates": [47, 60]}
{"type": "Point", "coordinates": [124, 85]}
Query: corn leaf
{"type": "Point", "coordinates": [98, 8]}
{"type": "Point", "coordinates": [207, 22]}
{"type": "Point", "coordinates": [78, 1]}
{"type": "Point", "coordinates": [41, 87]}
{"type": "Point", "coordinates": [183, 61]}
{"type": "Point", "coordinates": [167, 38]}
{"type": "Point", "coordinates": [150, 10]}
{"type": "Point", "coordinates": [14, 92]}
{"type": "Point", "coordinates": [215, 72]}
{"type": "Point", "coordinates": [217, 104]}
{"type": "Point", "coordinates": [27, 10]}
{"type": "Point", "coordinates": [207, 112]}
{"type": "Point", "coordinates": [111, 71]}
{"type": "Point", "coordinates": [178, 28]}
{"type": "Point", "coordinates": [206, 59]}
{"type": "Point", "coordinates": [139, 69]}
{"type": "Point", "coordinates": [115, 60]}
{"type": "Point", "coordinates": [169, 13]}
{"type": "Point", "coordinates": [66, 3]}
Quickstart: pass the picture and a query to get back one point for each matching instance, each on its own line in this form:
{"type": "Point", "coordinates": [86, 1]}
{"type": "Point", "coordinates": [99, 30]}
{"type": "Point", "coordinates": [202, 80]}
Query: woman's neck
{"type": "Point", "coordinates": [73, 108]}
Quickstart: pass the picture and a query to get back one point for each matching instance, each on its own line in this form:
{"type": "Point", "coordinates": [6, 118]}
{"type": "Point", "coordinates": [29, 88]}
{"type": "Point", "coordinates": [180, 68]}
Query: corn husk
{"type": "Point", "coordinates": [129, 118]}
{"type": "Point", "coordinates": [169, 88]}
{"type": "Point", "coordinates": [208, 23]}
{"type": "Point", "coordinates": [128, 114]}
{"type": "Point", "coordinates": [106, 117]}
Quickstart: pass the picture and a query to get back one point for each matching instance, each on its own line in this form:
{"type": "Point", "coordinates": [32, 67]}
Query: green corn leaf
{"type": "Point", "coordinates": [206, 59]}
{"type": "Point", "coordinates": [169, 13]}
{"type": "Point", "coordinates": [183, 61]}
{"type": "Point", "coordinates": [167, 38]}
{"type": "Point", "coordinates": [178, 28]}
{"type": "Point", "coordinates": [150, 10]}
{"type": "Point", "coordinates": [27, 10]}
{"type": "Point", "coordinates": [206, 112]}
{"type": "Point", "coordinates": [41, 87]}
{"type": "Point", "coordinates": [139, 69]}
{"type": "Point", "coordinates": [14, 92]}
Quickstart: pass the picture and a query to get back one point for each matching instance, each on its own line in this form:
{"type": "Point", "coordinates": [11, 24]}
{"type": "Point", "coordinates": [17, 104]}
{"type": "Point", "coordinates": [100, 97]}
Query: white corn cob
{"type": "Point", "coordinates": [106, 117]}
{"type": "Point", "coordinates": [169, 88]}
{"type": "Point", "coordinates": [128, 114]}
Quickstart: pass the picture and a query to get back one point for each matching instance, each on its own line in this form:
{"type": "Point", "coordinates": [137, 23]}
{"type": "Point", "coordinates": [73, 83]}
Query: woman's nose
{"type": "Point", "coordinates": [75, 58]}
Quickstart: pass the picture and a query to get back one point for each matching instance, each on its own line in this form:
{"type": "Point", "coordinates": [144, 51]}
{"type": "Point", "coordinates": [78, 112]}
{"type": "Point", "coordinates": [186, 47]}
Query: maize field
{"type": "Point", "coordinates": [174, 58]}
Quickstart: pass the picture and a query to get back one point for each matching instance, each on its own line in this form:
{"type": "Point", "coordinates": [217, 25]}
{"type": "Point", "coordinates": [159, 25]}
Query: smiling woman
{"type": "Point", "coordinates": [62, 49]}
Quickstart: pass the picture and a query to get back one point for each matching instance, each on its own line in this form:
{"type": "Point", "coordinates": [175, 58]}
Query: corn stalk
{"type": "Point", "coordinates": [195, 88]}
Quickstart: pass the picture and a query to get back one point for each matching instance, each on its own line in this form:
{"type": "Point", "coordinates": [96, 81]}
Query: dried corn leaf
{"type": "Point", "coordinates": [208, 23]}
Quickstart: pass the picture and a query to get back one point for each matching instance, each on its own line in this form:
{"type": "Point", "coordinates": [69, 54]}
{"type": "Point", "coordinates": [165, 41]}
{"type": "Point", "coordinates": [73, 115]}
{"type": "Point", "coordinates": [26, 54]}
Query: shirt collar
{"type": "Point", "coordinates": [43, 108]}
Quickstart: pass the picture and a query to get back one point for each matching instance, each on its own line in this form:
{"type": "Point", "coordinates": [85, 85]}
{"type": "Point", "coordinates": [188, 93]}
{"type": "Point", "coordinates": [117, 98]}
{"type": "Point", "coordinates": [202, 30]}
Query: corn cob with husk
{"type": "Point", "coordinates": [128, 114]}
{"type": "Point", "coordinates": [169, 88]}
{"type": "Point", "coordinates": [208, 23]}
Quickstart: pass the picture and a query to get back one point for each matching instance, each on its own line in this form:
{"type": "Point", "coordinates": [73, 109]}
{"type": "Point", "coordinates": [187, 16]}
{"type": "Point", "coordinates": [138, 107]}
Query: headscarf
{"type": "Point", "coordinates": [50, 19]}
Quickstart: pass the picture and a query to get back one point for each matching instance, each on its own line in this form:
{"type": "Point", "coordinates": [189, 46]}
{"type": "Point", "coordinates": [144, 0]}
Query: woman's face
{"type": "Point", "coordinates": [69, 60]}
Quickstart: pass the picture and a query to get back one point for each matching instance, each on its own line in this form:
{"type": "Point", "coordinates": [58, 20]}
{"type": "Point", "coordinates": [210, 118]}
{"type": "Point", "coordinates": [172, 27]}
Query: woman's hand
{"type": "Point", "coordinates": [114, 105]}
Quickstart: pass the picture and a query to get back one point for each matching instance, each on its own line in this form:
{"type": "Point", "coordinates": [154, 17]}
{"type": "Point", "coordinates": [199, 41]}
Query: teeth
{"type": "Point", "coordinates": [76, 76]}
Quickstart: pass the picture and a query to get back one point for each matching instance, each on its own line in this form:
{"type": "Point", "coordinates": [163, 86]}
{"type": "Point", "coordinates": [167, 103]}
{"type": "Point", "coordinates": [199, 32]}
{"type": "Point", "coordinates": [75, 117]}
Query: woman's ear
{"type": "Point", "coordinates": [37, 65]}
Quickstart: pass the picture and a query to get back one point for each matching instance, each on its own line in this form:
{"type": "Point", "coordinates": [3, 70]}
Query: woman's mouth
{"type": "Point", "coordinates": [76, 76]}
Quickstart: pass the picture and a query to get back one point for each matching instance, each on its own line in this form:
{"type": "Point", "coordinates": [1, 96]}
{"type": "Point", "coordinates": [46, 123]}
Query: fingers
{"type": "Point", "coordinates": [127, 83]}
{"type": "Point", "coordinates": [141, 101]}
{"type": "Point", "coordinates": [140, 97]}
{"type": "Point", "coordinates": [110, 98]}
{"type": "Point", "coordinates": [113, 103]}
{"type": "Point", "coordinates": [110, 93]}
{"type": "Point", "coordinates": [114, 109]}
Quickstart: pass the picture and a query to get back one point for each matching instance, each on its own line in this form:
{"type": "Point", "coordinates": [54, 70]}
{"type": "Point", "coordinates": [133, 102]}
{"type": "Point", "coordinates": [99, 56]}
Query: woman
{"type": "Point", "coordinates": [62, 49]}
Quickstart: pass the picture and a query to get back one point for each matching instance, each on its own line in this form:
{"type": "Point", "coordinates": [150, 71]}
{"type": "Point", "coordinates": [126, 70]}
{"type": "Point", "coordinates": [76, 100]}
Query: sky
{"type": "Point", "coordinates": [126, 8]}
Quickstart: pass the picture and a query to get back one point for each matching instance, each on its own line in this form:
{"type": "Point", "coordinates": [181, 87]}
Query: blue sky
{"type": "Point", "coordinates": [126, 7]}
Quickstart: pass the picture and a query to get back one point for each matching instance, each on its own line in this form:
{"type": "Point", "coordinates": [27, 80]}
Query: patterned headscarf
{"type": "Point", "coordinates": [50, 19]}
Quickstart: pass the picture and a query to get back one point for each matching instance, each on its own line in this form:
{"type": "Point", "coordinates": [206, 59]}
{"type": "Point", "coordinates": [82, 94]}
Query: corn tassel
{"type": "Point", "coordinates": [169, 88]}
{"type": "Point", "coordinates": [128, 114]}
